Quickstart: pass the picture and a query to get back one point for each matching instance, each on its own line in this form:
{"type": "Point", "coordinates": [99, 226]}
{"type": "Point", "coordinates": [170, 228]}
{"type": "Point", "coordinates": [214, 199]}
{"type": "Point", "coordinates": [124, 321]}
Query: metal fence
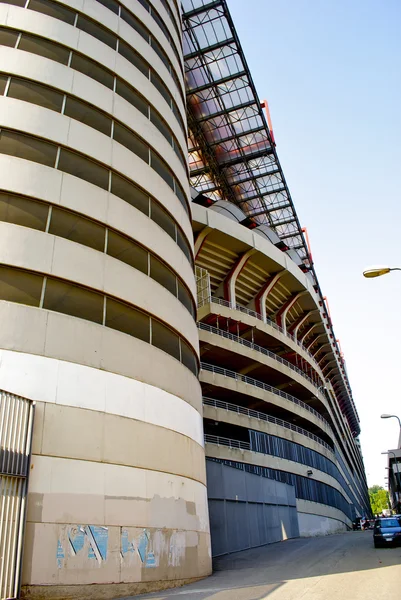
{"type": "Point", "coordinates": [265, 417]}
{"type": "Point", "coordinates": [212, 299]}
{"type": "Point", "coordinates": [260, 349]}
{"type": "Point", "coordinates": [16, 424]}
{"type": "Point", "coordinates": [222, 441]}
{"type": "Point", "coordinates": [263, 386]}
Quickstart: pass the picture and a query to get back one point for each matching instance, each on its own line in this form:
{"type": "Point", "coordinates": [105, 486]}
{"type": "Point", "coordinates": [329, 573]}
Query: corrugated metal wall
{"type": "Point", "coordinates": [247, 510]}
{"type": "Point", "coordinates": [16, 424]}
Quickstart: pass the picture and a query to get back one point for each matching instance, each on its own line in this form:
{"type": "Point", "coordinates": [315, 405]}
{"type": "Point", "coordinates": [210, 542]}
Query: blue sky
{"type": "Point", "coordinates": [331, 72]}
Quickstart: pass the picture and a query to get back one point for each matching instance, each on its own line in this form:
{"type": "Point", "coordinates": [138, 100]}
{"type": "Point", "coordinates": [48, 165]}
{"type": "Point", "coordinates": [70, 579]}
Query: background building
{"type": "Point", "coordinates": [98, 288]}
{"type": "Point", "coordinates": [394, 479]}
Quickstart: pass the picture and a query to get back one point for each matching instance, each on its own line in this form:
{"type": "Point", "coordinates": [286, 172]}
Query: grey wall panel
{"type": "Point", "coordinates": [215, 486]}
{"type": "Point", "coordinates": [218, 526]}
{"type": "Point", "coordinates": [273, 524]}
{"type": "Point", "coordinates": [235, 484]}
{"type": "Point", "coordinates": [253, 524]}
{"type": "Point", "coordinates": [256, 489]}
{"type": "Point", "coordinates": [291, 498]}
{"type": "Point", "coordinates": [262, 527]}
{"type": "Point", "coordinates": [294, 522]}
{"type": "Point", "coordinates": [247, 510]}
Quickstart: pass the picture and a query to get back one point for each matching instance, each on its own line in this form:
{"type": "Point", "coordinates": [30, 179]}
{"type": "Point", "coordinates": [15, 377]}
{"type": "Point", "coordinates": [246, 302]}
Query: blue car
{"type": "Point", "coordinates": [387, 531]}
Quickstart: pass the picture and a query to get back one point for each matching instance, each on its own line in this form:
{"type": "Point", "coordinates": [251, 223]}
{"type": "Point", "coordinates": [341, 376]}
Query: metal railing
{"type": "Point", "coordinates": [264, 386]}
{"type": "Point", "coordinates": [264, 417]}
{"type": "Point", "coordinates": [257, 348]}
{"type": "Point", "coordinates": [222, 441]}
{"type": "Point", "coordinates": [256, 315]}
{"type": "Point", "coordinates": [16, 424]}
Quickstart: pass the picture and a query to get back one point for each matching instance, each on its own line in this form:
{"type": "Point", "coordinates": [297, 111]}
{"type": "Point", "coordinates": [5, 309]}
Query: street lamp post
{"type": "Point", "coordinates": [385, 416]}
{"type": "Point", "coordinates": [378, 271]}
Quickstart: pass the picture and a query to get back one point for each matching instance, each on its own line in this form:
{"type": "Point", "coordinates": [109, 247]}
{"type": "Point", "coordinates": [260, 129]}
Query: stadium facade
{"type": "Point", "coordinates": [154, 315]}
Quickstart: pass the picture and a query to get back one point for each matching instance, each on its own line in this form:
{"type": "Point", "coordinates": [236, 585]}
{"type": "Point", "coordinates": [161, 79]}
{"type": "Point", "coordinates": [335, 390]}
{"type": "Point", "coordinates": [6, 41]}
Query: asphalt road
{"type": "Point", "coordinates": [336, 567]}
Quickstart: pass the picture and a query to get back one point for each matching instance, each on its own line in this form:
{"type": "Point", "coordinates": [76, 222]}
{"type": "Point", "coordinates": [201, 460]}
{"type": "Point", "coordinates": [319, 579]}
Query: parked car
{"type": "Point", "coordinates": [356, 524]}
{"type": "Point", "coordinates": [387, 530]}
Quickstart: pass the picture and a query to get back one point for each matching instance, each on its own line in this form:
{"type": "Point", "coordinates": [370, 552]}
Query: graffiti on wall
{"type": "Point", "coordinates": [85, 540]}
{"type": "Point", "coordinates": [130, 545]}
{"type": "Point", "coordinates": [90, 546]}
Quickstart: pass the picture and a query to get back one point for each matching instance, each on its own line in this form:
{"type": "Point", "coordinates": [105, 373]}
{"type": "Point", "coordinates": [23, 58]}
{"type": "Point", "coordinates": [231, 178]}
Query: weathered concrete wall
{"type": "Point", "coordinates": [317, 519]}
{"type": "Point", "coordinates": [117, 499]}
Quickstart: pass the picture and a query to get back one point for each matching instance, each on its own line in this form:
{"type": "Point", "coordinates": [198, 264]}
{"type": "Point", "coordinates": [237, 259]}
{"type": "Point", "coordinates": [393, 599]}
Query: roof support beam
{"type": "Point", "coordinates": [202, 9]}
{"type": "Point", "coordinates": [260, 298]}
{"type": "Point", "coordinates": [202, 235]}
{"type": "Point", "coordinates": [302, 340]}
{"type": "Point", "coordinates": [281, 317]}
{"type": "Point", "coordinates": [295, 327]}
{"type": "Point", "coordinates": [230, 280]}
{"type": "Point", "coordinates": [212, 48]}
{"type": "Point", "coordinates": [213, 84]}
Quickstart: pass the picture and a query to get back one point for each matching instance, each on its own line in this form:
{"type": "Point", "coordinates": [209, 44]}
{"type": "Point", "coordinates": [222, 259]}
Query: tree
{"type": "Point", "coordinates": [379, 499]}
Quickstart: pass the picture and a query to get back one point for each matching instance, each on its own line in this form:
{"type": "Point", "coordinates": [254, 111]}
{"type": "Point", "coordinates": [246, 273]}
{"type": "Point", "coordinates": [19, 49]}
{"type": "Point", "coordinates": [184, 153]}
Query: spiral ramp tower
{"type": "Point", "coordinates": [97, 294]}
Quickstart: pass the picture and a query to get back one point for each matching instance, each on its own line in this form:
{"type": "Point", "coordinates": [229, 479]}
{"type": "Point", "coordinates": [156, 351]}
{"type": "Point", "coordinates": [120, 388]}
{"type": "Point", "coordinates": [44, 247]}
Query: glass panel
{"type": "Point", "coordinates": [129, 94]}
{"type": "Point", "coordinates": [3, 82]}
{"type": "Point", "coordinates": [160, 273]}
{"type": "Point", "coordinates": [178, 116]}
{"type": "Point", "coordinates": [81, 167]}
{"type": "Point", "coordinates": [160, 23]}
{"type": "Point", "coordinates": [130, 193]}
{"type": "Point", "coordinates": [165, 339]}
{"type": "Point", "coordinates": [161, 168]}
{"type": "Point", "coordinates": [180, 155]}
{"type": "Point", "coordinates": [37, 45]}
{"type": "Point", "coordinates": [127, 319]}
{"type": "Point", "coordinates": [131, 141]}
{"type": "Point", "coordinates": [161, 126]}
{"type": "Point", "coordinates": [162, 218]}
{"type": "Point", "coordinates": [127, 251]}
{"type": "Point", "coordinates": [160, 53]}
{"type": "Point", "coordinates": [183, 244]}
{"type": "Point", "coordinates": [87, 114]}
{"type": "Point", "coordinates": [159, 85]}
{"type": "Point", "coordinates": [134, 23]}
{"type": "Point", "coordinates": [73, 300]}
{"type": "Point", "coordinates": [188, 357]}
{"type": "Point", "coordinates": [145, 4]}
{"type": "Point", "coordinates": [78, 229]}
{"type": "Point", "coordinates": [180, 195]}
{"type": "Point", "coordinates": [23, 89]}
{"type": "Point", "coordinates": [185, 298]}
{"type": "Point", "coordinates": [134, 58]}
{"type": "Point", "coordinates": [91, 69]}
{"type": "Point", "coordinates": [14, 2]}
{"type": "Point", "coordinates": [53, 9]}
{"type": "Point", "coordinates": [97, 31]}
{"type": "Point", "coordinates": [23, 211]}
{"type": "Point", "coordinates": [23, 146]}
{"type": "Point", "coordinates": [20, 286]}
{"type": "Point", "coordinates": [111, 5]}
{"type": "Point", "coordinates": [8, 37]}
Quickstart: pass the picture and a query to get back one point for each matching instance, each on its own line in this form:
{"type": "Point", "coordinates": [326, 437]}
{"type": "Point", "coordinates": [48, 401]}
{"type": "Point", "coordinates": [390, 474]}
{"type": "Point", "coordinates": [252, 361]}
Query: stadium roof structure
{"type": "Point", "coordinates": [232, 154]}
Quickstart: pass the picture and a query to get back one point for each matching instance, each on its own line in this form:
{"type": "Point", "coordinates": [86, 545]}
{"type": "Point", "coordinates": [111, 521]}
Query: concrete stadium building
{"type": "Point", "coordinates": [153, 315]}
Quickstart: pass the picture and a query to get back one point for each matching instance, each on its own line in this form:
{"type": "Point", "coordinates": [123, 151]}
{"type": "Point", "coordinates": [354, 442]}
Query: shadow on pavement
{"type": "Point", "coordinates": [255, 574]}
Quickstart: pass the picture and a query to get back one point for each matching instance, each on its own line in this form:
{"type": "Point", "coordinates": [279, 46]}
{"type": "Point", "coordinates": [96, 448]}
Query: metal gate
{"type": "Point", "coordinates": [16, 424]}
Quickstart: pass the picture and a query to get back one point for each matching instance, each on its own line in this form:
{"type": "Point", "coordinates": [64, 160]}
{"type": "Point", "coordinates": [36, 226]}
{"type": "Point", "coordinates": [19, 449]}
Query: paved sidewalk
{"type": "Point", "coordinates": [336, 567]}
